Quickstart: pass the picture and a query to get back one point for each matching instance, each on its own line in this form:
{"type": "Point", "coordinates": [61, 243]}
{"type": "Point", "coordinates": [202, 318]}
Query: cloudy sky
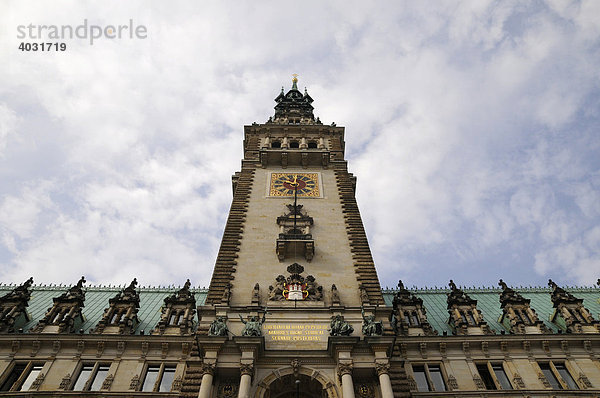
{"type": "Point", "coordinates": [473, 128]}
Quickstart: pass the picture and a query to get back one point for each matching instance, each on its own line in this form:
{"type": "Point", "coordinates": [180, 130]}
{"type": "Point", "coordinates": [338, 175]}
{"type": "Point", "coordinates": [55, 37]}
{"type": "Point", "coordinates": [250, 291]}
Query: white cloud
{"type": "Point", "coordinates": [469, 126]}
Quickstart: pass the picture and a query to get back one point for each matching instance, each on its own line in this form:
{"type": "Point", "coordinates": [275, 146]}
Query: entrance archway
{"type": "Point", "coordinates": [281, 383]}
{"type": "Point", "coordinates": [286, 387]}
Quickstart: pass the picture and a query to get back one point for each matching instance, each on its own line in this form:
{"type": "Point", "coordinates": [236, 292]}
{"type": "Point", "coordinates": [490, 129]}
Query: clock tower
{"type": "Point", "coordinates": [294, 299]}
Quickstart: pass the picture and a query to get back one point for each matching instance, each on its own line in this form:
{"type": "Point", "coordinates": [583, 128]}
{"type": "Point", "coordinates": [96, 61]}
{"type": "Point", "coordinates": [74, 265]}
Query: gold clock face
{"type": "Point", "coordinates": [284, 184]}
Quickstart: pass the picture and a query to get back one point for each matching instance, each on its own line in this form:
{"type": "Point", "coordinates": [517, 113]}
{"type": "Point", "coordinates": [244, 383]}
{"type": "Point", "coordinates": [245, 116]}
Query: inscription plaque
{"type": "Point", "coordinates": [296, 335]}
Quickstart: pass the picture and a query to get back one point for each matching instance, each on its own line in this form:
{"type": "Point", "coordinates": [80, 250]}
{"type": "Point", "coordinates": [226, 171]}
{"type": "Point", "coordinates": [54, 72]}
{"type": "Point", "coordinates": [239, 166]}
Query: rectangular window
{"type": "Point", "coordinates": [159, 378]}
{"type": "Point", "coordinates": [429, 378]}
{"type": "Point", "coordinates": [493, 376]}
{"type": "Point", "coordinates": [21, 377]}
{"type": "Point", "coordinates": [91, 377]}
{"type": "Point", "coordinates": [558, 376]}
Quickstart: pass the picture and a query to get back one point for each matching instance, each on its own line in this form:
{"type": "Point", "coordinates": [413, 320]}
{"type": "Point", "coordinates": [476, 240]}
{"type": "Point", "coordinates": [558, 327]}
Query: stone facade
{"type": "Point", "coordinates": [295, 307]}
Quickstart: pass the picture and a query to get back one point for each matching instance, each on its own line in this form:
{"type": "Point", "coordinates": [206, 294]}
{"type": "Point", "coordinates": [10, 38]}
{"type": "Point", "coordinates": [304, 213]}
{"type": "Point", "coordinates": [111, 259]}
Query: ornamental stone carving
{"type": "Point", "coordinates": [121, 315]}
{"type": "Point", "coordinates": [207, 368]}
{"type": "Point", "coordinates": [382, 368]}
{"type": "Point", "coordinates": [464, 313]}
{"type": "Point", "coordinates": [178, 312]}
{"type": "Point", "coordinates": [345, 368]}
{"type": "Point", "coordinates": [517, 313]}
{"type": "Point", "coordinates": [295, 286]}
{"type": "Point", "coordinates": [13, 306]}
{"type": "Point", "coordinates": [409, 315]}
{"type": "Point", "coordinates": [65, 314]}
{"type": "Point", "coordinates": [247, 369]}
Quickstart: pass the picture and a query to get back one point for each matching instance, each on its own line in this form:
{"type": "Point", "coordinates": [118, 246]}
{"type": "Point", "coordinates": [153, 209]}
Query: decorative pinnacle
{"type": "Point", "coordinates": [294, 81]}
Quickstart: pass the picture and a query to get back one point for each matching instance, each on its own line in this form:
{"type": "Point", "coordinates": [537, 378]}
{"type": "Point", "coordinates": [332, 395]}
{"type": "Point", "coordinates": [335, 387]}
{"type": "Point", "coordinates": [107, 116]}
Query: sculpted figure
{"type": "Point", "coordinates": [364, 297]}
{"type": "Point", "coordinates": [315, 292]}
{"type": "Point", "coordinates": [335, 295]}
{"type": "Point", "coordinates": [226, 293]}
{"type": "Point", "coordinates": [218, 327]}
{"type": "Point", "coordinates": [256, 294]}
{"type": "Point", "coordinates": [276, 292]}
{"type": "Point", "coordinates": [371, 327]}
{"type": "Point", "coordinates": [339, 327]}
{"type": "Point", "coordinates": [253, 327]}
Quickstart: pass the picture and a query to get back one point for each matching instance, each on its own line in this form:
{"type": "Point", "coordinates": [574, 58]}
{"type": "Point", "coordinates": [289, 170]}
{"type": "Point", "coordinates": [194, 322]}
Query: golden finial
{"type": "Point", "coordinates": [295, 79]}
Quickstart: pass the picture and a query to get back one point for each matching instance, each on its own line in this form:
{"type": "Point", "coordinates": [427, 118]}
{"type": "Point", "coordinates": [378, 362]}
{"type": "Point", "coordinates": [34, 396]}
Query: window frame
{"type": "Point", "coordinates": [492, 373]}
{"type": "Point", "coordinates": [556, 373]}
{"type": "Point", "coordinates": [17, 385]}
{"type": "Point", "coordinates": [159, 379]}
{"type": "Point", "coordinates": [87, 386]}
{"type": "Point", "coordinates": [428, 378]}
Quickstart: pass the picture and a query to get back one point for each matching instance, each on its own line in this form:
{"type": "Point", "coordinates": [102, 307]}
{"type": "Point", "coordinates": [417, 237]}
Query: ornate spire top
{"type": "Point", "coordinates": [294, 107]}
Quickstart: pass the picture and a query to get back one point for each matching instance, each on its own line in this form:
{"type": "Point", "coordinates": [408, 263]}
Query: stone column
{"type": "Point", "coordinates": [208, 370]}
{"type": "Point", "coordinates": [247, 370]}
{"type": "Point", "coordinates": [345, 373]}
{"type": "Point", "coordinates": [385, 383]}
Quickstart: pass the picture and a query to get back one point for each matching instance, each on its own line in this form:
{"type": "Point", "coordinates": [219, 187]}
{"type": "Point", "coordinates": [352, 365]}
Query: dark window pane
{"type": "Point", "coordinates": [486, 376]}
{"type": "Point", "coordinates": [14, 375]}
{"type": "Point", "coordinates": [501, 376]}
{"type": "Point", "coordinates": [436, 378]}
{"type": "Point", "coordinates": [471, 319]}
{"type": "Point", "coordinates": [151, 377]}
{"type": "Point", "coordinates": [550, 376]}
{"type": "Point", "coordinates": [33, 374]}
{"type": "Point", "coordinates": [294, 144]}
{"type": "Point", "coordinates": [167, 379]}
{"type": "Point", "coordinates": [84, 375]}
{"type": "Point", "coordinates": [526, 317]}
{"type": "Point", "coordinates": [406, 318]}
{"type": "Point", "coordinates": [99, 378]}
{"type": "Point", "coordinates": [421, 378]}
{"type": "Point", "coordinates": [415, 319]}
{"type": "Point", "coordinates": [566, 376]}
{"type": "Point", "coordinates": [276, 144]}
{"type": "Point", "coordinates": [312, 145]}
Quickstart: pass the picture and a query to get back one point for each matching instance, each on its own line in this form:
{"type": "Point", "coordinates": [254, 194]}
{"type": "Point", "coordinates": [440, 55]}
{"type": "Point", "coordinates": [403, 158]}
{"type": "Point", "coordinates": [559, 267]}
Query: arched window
{"type": "Point", "coordinates": [294, 144]}
{"type": "Point", "coordinates": [312, 145]}
{"type": "Point", "coordinates": [276, 144]}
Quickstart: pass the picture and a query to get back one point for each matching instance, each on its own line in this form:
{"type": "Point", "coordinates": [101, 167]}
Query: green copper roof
{"type": "Point", "coordinates": [96, 300]}
{"type": "Point", "coordinates": [488, 303]}
{"type": "Point", "coordinates": [434, 300]}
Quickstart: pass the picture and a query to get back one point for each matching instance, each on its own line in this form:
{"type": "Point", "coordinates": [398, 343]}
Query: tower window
{"type": "Point", "coordinates": [429, 378]}
{"type": "Point", "coordinates": [159, 378]}
{"type": "Point", "coordinates": [276, 144]}
{"type": "Point", "coordinates": [22, 375]}
{"type": "Point", "coordinates": [294, 144]}
{"type": "Point", "coordinates": [312, 145]}
{"type": "Point", "coordinates": [493, 376]}
{"type": "Point", "coordinates": [91, 377]}
{"type": "Point", "coordinates": [558, 376]}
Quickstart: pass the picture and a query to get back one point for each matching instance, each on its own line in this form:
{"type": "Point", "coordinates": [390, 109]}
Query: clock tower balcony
{"type": "Point", "coordinates": [298, 157]}
{"type": "Point", "coordinates": [290, 245]}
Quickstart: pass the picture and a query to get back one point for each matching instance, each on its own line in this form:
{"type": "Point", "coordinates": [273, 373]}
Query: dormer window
{"type": "Point", "coordinates": [276, 144]}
